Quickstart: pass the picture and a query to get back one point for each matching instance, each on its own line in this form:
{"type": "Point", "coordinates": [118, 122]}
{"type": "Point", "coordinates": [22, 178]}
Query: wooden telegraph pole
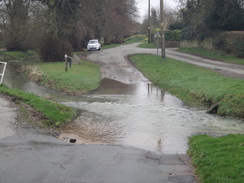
{"type": "Point", "coordinates": [162, 28]}
{"type": "Point", "coordinates": [148, 23]}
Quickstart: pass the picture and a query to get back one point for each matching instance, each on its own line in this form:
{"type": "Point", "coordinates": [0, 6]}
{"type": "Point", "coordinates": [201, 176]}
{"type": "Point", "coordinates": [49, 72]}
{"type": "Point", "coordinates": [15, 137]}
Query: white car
{"type": "Point", "coordinates": [93, 45]}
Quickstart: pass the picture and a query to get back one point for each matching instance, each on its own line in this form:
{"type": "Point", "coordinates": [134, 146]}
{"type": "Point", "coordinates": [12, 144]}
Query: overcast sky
{"type": "Point", "coordinates": [143, 5]}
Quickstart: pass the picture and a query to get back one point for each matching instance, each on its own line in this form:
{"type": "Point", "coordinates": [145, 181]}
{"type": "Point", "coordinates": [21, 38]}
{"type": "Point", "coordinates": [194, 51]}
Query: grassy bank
{"type": "Point", "coordinates": [145, 44]}
{"type": "Point", "coordinates": [192, 83]}
{"type": "Point", "coordinates": [52, 114]}
{"type": "Point", "coordinates": [79, 79]}
{"type": "Point", "coordinates": [218, 160]}
{"type": "Point", "coordinates": [218, 55]}
{"type": "Point", "coordinates": [16, 55]}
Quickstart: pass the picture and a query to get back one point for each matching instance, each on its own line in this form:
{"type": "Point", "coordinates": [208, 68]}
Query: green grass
{"type": "Point", "coordinates": [218, 55]}
{"type": "Point", "coordinates": [193, 83]}
{"type": "Point", "coordinates": [145, 44]}
{"type": "Point", "coordinates": [218, 160]}
{"type": "Point", "coordinates": [53, 114]}
{"type": "Point", "coordinates": [130, 40]}
{"type": "Point", "coordinates": [17, 55]}
{"type": "Point", "coordinates": [81, 78]}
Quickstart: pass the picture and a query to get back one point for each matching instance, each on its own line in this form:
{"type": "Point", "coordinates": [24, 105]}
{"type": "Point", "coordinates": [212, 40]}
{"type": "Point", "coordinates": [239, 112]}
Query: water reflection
{"type": "Point", "coordinates": [142, 116]}
{"type": "Point", "coordinates": [138, 115]}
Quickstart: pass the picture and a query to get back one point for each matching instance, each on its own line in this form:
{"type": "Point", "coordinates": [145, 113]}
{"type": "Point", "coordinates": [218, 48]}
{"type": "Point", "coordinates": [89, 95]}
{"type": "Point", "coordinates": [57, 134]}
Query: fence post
{"type": "Point", "coordinates": [2, 74]}
{"type": "Point", "coordinates": [66, 63]}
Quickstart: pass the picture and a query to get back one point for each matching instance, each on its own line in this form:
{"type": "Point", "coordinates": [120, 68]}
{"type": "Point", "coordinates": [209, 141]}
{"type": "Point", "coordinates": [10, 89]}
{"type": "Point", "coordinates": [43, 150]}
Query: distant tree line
{"type": "Point", "coordinates": [202, 18]}
{"type": "Point", "coordinates": [154, 23]}
{"type": "Point", "coordinates": [221, 21]}
{"type": "Point", "coordinates": [56, 27]}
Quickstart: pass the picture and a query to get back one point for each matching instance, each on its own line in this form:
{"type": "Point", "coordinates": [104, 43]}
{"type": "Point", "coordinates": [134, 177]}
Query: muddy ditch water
{"type": "Point", "coordinates": [135, 114]}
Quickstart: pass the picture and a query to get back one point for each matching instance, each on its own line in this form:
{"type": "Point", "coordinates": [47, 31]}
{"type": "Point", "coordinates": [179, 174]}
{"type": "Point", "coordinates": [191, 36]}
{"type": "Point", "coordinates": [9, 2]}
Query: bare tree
{"type": "Point", "coordinates": [55, 27]}
{"type": "Point", "coordinates": [119, 20]}
{"type": "Point", "coordinates": [14, 23]}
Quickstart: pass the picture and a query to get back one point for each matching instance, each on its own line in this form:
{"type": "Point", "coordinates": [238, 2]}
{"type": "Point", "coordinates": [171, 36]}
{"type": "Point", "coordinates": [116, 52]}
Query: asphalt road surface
{"type": "Point", "coordinates": [115, 67]}
{"type": "Point", "coordinates": [28, 155]}
{"type": "Point", "coordinates": [227, 69]}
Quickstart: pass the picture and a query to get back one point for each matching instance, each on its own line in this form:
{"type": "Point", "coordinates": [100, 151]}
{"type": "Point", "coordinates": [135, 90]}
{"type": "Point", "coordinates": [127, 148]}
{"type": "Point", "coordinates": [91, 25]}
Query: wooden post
{"type": "Point", "coordinates": [66, 62]}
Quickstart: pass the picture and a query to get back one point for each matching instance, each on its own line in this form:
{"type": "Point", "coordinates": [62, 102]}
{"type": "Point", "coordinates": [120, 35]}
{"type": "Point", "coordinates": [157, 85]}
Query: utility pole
{"type": "Point", "coordinates": [148, 23]}
{"type": "Point", "coordinates": [162, 28]}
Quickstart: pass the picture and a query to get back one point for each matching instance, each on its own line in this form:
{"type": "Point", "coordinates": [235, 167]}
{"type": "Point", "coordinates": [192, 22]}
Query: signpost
{"type": "Point", "coordinates": [69, 60]}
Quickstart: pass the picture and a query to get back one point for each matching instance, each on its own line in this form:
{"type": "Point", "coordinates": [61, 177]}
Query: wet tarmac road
{"type": "Point", "coordinates": [8, 117]}
{"type": "Point", "coordinates": [128, 110]}
{"type": "Point", "coordinates": [129, 103]}
{"type": "Point", "coordinates": [32, 156]}
{"type": "Point", "coordinates": [118, 55]}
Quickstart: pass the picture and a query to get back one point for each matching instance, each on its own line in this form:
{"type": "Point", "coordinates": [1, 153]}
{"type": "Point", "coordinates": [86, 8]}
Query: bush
{"type": "Point", "coordinates": [230, 42]}
{"type": "Point", "coordinates": [176, 26]}
{"type": "Point", "coordinates": [220, 43]}
{"type": "Point", "coordinates": [53, 50]}
{"type": "Point", "coordinates": [137, 37]}
{"type": "Point", "coordinates": [239, 48]}
{"type": "Point", "coordinates": [188, 33]}
{"type": "Point", "coordinates": [173, 35]}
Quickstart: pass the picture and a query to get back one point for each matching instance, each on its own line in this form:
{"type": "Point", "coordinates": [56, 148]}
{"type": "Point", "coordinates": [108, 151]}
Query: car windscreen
{"type": "Point", "coordinates": [92, 42]}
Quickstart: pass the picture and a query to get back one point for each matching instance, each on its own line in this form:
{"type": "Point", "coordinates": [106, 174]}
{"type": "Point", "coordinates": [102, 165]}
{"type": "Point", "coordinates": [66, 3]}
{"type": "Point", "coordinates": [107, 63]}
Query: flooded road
{"type": "Point", "coordinates": [141, 115]}
{"type": "Point", "coordinates": [128, 110]}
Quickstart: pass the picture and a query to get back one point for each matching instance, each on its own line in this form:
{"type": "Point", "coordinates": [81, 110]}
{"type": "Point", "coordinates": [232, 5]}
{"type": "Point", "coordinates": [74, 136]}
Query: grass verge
{"type": "Point", "coordinates": [16, 55]}
{"type": "Point", "coordinates": [52, 114]}
{"type": "Point", "coordinates": [218, 160]}
{"type": "Point", "coordinates": [192, 83]}
{"type": "Point", "coordinates": [145, 44]}
{"type": "Point", "coordinates": [218, 55]}
{"type": "Point", "coordinates": [79, 79]}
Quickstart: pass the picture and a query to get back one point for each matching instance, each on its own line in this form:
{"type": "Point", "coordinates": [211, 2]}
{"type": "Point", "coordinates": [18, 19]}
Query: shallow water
{"type": "Point", "coordinates": [142, 116]}
{"type": "Point", "coordinates": [138, 115]}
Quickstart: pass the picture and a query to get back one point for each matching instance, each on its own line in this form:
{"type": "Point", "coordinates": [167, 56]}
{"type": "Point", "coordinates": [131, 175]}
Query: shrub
{"type": "Point", "coordinates": [239, 48]}
{"type": "Point", "coordinates": [176, 26]}
{"type": "Point", "coordinates": [220, 43]}
{"type": "Point", "coordinates": [173, 35]}
{"type": "Point", "coordinates": [137, 37]}
{"type": "Point", "coordinates": [231, 42]}
{"type": "Point", "coordinates": [54, 49]}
